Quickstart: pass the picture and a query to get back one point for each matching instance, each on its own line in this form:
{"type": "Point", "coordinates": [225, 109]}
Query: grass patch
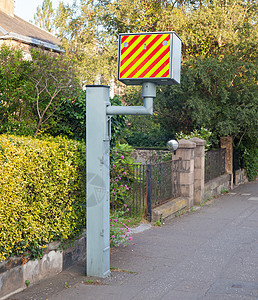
{"type": "Point", "coordinates": [122, 270]}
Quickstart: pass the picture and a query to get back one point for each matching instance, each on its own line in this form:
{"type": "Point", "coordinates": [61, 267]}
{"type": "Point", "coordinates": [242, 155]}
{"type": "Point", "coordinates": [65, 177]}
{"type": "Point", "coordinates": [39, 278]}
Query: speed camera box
{"type": "Point", "coordinates": [153, 57]}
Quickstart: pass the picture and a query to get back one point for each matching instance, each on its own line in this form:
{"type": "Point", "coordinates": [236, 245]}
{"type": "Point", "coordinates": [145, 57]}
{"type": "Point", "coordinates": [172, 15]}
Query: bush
{"type": "Point", "coordinates": [42, 193]}
{"type": "Point", "coordinates": [203, 134]}
{"type": "Point", "coordinates": [250, 158]}
{"type": "Point", "coordinates": [121, 174]}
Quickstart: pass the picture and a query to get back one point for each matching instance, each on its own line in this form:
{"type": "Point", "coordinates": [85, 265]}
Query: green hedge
{"type": "Point", "coordinates": [42, 193]}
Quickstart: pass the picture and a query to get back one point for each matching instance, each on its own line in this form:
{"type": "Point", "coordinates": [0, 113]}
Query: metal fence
{"type": "Point", "coordinates": [214, 163]}
{"type": "Point", "coordinates": [143, 187]}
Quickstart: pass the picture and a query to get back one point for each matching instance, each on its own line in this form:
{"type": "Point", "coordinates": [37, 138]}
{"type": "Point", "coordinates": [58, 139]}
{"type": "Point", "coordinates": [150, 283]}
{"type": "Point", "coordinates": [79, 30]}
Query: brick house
{"type": "Point", "coordinates": [17, 32]}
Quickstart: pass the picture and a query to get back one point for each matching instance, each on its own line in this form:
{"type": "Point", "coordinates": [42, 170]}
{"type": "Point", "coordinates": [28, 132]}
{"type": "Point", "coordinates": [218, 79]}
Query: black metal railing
{"type": "Point", "coordinates": [214, 163]}
{"type": "Point", "coordinates": [143, 187]}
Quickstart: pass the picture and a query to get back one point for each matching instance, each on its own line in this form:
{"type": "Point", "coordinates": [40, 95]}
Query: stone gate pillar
{"type": "Point", "coordinates": [227, 142]}
{"type": "Point", "coordinates": [199, 170]}
{"type": "Point", "coordinates": [185, 152]}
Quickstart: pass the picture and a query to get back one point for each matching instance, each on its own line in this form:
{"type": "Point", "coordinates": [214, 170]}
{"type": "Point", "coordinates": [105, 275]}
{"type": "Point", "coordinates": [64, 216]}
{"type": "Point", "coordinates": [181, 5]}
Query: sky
{"type": "Point", "coordinates": [26, 9]}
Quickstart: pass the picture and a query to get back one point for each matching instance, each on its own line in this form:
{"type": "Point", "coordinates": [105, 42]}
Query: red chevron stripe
{"type": "Point", "coordinates": [130, 44]}
{"type": "Point", "coordinates": [166, 74]}
{"type": "Point", "coordinates": [165, 63]}
{"type": "Point", "coordinates": [134, 49]}
{"type": "Point", "coordinates": [153, 63]}
{"type": "Point", "coordinates": [140, 55]}
{"type": "Point", "coordinates": [124, 38]}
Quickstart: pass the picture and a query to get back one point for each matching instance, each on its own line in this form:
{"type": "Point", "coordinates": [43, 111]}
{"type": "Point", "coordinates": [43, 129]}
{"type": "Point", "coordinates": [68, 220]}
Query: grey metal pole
{"type": "Point", "coordinates": [98, 190]}
{"type": "Point", "coordinates": [98, 124]}
{"type": "Point", "coordinates": [148, 93]}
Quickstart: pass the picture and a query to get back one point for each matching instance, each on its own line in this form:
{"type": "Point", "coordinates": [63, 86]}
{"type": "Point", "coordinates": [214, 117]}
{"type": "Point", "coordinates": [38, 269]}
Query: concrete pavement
{"type": "Point", "coordinates": [211, 253]}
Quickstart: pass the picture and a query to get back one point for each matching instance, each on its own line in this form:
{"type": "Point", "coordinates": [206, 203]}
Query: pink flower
{"type": "Point", "coordinates": [122, 157]}
{"type": "Point", "coordinates": [113, 236]}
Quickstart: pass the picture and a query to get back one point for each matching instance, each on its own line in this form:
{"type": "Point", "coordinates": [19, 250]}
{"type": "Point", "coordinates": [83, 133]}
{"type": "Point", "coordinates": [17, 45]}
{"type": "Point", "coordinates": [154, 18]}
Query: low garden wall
{"type": "Point", "coordinates": [240, 176]}
{"type": "Point", "coordinates": [148, 156]}
{"type": "Point", "coordinates": [217, 186]}
{"type": "Point", "coordinates": [17, 273]}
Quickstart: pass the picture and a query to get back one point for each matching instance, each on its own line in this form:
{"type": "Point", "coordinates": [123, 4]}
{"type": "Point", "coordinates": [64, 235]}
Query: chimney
{"type": "Point", "coordinates": [7, 6]}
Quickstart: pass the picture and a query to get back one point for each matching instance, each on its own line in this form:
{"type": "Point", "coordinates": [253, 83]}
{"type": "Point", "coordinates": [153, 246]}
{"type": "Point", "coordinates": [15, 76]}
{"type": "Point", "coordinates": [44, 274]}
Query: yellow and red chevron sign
{"type": "Point", "coordinates": [145, 57]}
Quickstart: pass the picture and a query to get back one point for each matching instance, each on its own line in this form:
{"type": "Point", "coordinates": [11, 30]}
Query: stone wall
{"type": "Point", "coordinates": [240, 176]}
{"type": "Point", "coordinates": [217, 186]}
{"type": "Point", "coordinates": [192, 155]}
{"type": "Point", "coordinates": [149, 156]}
{"type": "Point", "coordinates": [15, 271]}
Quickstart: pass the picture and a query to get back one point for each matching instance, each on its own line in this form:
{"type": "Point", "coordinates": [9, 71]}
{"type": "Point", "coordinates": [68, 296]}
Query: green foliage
{"type": "Point", "coordinates": [27, 282]}
{"type": "Point", "coordinates": [42, 195]}
{"type": "Point", "coordinates": [250, 157]}
{"type": "Point", "coordinates": [218, 84]}
{"type": "Point", "coordinates": [69, 119]}
{"type": "Point", "coordinates": [217, 94]}
{"type": "Point", "coordinates": [120, 232]}
{"type": "Point", "coordinates": [54, 79]}
{"type": "Point", "coordinates": [31, 92]}
{"type": "Point", "coordinates": [224, 191]}
{"type": "Point", "coordinates": [143, 131]}
{"type": "Point", "coordinates": [214, 29]}
{"type": "Point", "coordinates": [125, 16]}
{"type": "Point", "coordinates": [120, 156]}
{"type": "Point", "coordinates": [16, 92]}
{"type": "Point", "coordinates": [81, 36]}
{"type": "Point", "coordinates": [158, 223]}
{"type": "Point", "coordinates": [122, 176]}
{"type": "Point", "coordinates": [203, 134]}
{"type": "Point", "coordinates": [118, 123]}
{"type": "Point", "coordinates": [45, 15]}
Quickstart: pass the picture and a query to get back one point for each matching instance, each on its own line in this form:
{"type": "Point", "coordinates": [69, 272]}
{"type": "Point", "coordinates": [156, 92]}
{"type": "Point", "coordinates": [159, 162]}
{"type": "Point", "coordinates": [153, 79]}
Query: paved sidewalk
{"type": "Point", "coordinates": [208, 254]}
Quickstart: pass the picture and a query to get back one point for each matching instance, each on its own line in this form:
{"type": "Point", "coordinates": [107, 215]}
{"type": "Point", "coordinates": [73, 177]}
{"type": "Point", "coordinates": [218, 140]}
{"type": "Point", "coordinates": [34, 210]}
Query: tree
{"type": "Point", "coordinates": [69, 119]}
{"type": "Point", "coordinates": [15, 91]}
{"type": "Point", "coordinates": [45, 15]}
{"type": "Point", "coordinates": [81, 37]}
{"type": "Point", "coordinates": [219, 95]}
{"type": "Point", "coordinates": [89, 30]}
{"type": "Point", "coordinates": [31, 92]}
{"type": "Point", "coordinates": [216, 29]}
{"type": "Point", "coordinates": [54, 81]}
{"type": "Point", "coordinates": [131, 16]}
